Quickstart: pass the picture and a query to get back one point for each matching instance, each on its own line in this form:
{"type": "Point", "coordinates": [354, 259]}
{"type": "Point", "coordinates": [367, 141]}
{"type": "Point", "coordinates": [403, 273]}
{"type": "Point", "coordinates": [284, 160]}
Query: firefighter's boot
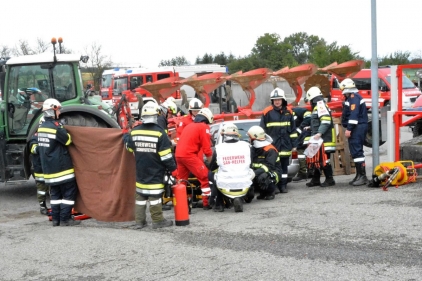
{"type": "Point", "coordinates": [70, 222]}
{"type": "Point", "coordinates": [356, 175]}
{"type": "Point", "coordinates": [300, 177]}
{"type": "Point", "coordinates": [205, 203]}
{"type": "Point", "coordinates": [329, 180]}
{"type": "Point", "coordinates": [161, 224]}
{"type": "Point", "coordinates": [315, 181]}
{"type": "Point", "coordinates": [140, 211]}
{"type": "Point", "coordinates": [303, 172]}
{"type": "Point", "coordinates": [219, 202]}
{"type": "Point", "coordinates": [166, 207]}
{"type": "Point", "coordinates": [362, 179]}
{"type": "Point", "coordinates": [42, 191]}
{"type": "Point", "coordinates": [238, 204]}
{"type": "Point", "coordinates": [43, 208]}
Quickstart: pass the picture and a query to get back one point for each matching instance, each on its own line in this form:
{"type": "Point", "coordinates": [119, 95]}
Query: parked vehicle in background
{"type": "Point", "coordinates": [106, 89]}
{"type": "Point", "coordinates": [243, 127]}
{"type": "Point", "coordinates": [116, 82]}
{"type": "Point", "coordinates": [122, 83]}
{"type": "Point", "coordinates": [25, 83]}
{"type": "Point", "coordinates": [362, 80]}
{"type": "Point", "coordinates": [417, 125]}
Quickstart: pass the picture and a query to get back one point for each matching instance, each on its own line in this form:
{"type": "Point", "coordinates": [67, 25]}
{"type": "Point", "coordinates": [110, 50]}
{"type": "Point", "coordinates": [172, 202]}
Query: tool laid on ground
{"type": "Point", "coordinates": [393, 173]}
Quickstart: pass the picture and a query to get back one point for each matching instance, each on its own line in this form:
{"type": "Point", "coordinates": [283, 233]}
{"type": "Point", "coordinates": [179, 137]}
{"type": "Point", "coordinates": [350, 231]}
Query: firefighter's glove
{"type": "Point", "coordinates": [264, 181]}
{"type": "Point", "coordinates": [273, 177]}
{"type": "Point", "coordinates": [175, 174]}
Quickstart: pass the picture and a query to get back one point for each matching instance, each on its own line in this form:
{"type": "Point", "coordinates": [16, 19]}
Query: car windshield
{"type": "Point", "coordinates": [407, 84]}
{"type": "Point", "coordinates": [243, 128]}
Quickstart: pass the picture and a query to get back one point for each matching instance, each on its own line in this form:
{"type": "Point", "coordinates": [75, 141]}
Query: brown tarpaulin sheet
{"type": "Point", "coordinates": [105, 173]}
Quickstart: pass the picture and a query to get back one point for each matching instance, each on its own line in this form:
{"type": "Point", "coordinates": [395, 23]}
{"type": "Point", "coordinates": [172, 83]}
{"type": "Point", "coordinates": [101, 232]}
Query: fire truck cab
{"type": "Point", "coordinates": [121, 84]}
{"type": "Point", "coordinates": [362, 80]}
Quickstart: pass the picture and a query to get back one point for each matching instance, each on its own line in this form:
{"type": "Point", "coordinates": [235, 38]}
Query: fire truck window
{"type": "Point", "coordinates": [149, 78]}
{"type": "Point", "coordinates": [163, 76]}
{"type": "Point", "coordinates": [363, 84]}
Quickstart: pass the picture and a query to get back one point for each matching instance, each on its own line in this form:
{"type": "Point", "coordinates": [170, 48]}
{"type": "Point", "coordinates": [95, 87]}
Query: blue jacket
{"type": "Point", "coordinates": [56, 163]}
{"type": "Point", "coordinates": [280, 125]}
{"type": "Point", "coordinates": [354, 112]}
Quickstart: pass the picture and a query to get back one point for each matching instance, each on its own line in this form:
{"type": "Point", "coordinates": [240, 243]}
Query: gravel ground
{"type": "Point", "coordinates": [335, 233]}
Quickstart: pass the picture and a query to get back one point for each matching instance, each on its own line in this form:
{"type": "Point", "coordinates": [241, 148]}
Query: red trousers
{"type": "Point", "coordinates": [196, 166]}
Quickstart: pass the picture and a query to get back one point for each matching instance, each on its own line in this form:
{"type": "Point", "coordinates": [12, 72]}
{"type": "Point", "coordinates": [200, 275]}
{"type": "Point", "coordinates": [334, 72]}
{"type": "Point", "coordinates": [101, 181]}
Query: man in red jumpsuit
{"type": "Point", "coordinates": [195, 105]}
{"type": "Point", "coordinates": [196, 137]}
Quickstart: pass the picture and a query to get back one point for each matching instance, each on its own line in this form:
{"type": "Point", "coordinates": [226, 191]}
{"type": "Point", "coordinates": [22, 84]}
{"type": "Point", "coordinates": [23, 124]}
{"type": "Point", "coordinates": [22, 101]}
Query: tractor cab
{"type": "Point", "coordinates": [29, 85]}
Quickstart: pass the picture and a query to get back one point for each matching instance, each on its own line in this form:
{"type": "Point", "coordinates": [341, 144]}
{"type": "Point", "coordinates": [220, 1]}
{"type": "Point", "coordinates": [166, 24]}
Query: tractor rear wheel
{"type": "Point", "coordinates": [83, 120]}
{"type": "Point", "coordinates": [368, 137]}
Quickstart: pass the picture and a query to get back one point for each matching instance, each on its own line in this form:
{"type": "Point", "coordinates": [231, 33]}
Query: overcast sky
{"type": "Point", "coordinates": [145, 32]}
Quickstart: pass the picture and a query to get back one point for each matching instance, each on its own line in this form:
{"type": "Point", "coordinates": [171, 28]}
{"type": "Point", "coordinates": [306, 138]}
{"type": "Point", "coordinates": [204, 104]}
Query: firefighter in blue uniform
{"type": "Point", "coordinates": [42, 188]}
{"type": "Point", "coordinates": [302, 118]}
{"type": "Point", "coordinates": [153, 156]}
{"type": "Point", "coordinates": [355, 120]}
{"type": "Point", "coordinates": [278, 122]}
{"type": "Point", "coordinates": [56, 164]}
{"type": "Point", "coordinates": [321, 126]}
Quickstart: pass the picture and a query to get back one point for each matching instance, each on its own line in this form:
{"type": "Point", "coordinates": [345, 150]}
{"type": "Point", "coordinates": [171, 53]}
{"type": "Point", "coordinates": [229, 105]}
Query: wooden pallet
{"type": "Point", "coordinates": [341, 161]}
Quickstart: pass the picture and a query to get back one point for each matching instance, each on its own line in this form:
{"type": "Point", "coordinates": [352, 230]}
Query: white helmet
{"type": "Point", "coordinates": [312, 93]}
{"type": "Point", "coordinates": [277, 93]}
{"type": "Point", "coordinates": [150, 109]}
{"type": "Point", "coordinates": [195, 104]}
{"type": "Point", "coordinates": [149, 99]}
{"type": "Point", "coordinates": [208, 114]}
{"type": "Point", "coordinates": [170, 106]}
{"type": "Point", "coordinates": [256, 133]}
{"type": "Point", "coordinates": [171, 99]}
{"type": "Point", "coordinates": [348, 86]}
{"type": "Point", "coordinates": [51, 104]}
{"type": "Point", "coordinates": [230, 129]}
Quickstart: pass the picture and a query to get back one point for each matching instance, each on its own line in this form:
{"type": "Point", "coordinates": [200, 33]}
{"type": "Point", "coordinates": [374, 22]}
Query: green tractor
{"type": "Point", "coordinates": [26, 82]}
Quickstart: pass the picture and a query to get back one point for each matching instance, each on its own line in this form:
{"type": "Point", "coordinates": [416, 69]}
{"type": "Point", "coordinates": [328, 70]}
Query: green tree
{"type": "Point", "coordinates": [324, 54]}
{"type": "Point", "coordinates": [303, 45]}
{"type": "Point", "coordinates": [270, 52]}
{"type": "Point", "coordinates": [240, 64]}
{"type": "Point", "coordinates": [396, 58]}
{"type": "Point", "coordinates": [206, 59]}
{"type": "Point", "coordinates": [177, 61]}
